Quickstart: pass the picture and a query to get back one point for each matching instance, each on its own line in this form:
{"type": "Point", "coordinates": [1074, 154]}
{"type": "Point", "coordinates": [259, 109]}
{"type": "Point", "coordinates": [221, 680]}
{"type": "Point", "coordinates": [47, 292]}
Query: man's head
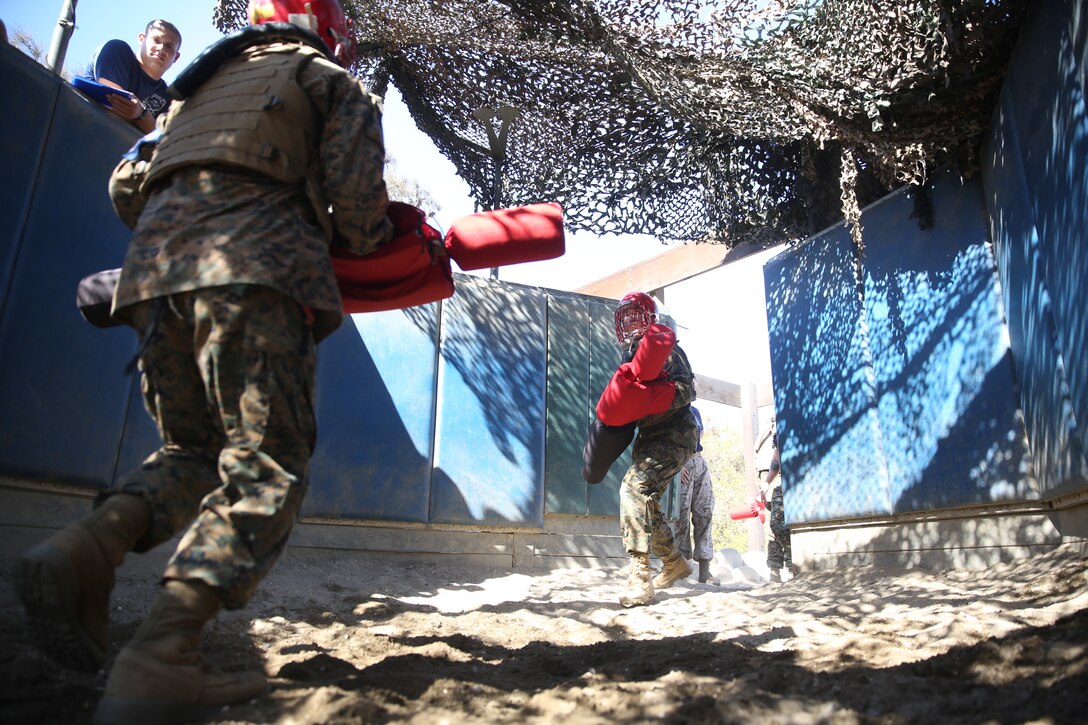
{"type": "Point", "coordinates": [636, 312]}
{"type": "Point", "coordinates": [325, 18]}
{"type": "Point", "coordinates": [160, 48]}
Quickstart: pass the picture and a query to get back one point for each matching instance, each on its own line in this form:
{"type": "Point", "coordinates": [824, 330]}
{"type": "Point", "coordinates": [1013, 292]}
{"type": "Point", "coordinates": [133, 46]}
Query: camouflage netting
{"type": "Point", "coordinates": [733, 121]}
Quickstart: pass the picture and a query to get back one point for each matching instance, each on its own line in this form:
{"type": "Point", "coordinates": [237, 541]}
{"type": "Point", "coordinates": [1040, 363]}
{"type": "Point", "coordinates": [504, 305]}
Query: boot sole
{"type": "Point", "coordinates": [48, 586]}
{"type": "Point", "coordinates": [635, 602]}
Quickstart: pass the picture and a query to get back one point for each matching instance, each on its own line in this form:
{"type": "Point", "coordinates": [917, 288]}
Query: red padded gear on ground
{"type": "Point", "coordinates": [507, 236]}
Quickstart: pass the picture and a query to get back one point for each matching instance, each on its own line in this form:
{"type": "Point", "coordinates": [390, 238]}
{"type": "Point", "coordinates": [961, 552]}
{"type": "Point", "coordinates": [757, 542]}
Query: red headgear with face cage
{"type": "Point", "coordinates": [324, 17]}
{"type": "Point", "coordinates": [636, 312]}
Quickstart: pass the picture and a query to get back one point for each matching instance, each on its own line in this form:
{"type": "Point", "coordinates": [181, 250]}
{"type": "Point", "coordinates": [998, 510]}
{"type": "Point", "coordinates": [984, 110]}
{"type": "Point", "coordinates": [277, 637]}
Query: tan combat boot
{"type": "Point", "coordinates": [158, 677]}
{"type": "Point", "coordinates": [65, 581]}
{"type": "Point", "coordinates": [673, 569]}
{"type": "Point", "coordinates": [640, 590]}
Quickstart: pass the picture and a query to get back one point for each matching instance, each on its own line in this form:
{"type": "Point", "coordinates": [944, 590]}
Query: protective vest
{"type": "Point", "coordinates": [251, 114]}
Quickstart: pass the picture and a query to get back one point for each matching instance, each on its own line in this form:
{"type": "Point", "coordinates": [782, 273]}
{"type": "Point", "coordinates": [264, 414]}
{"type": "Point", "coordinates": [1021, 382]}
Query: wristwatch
{"type": "Point", "coordinates": [144, 115]}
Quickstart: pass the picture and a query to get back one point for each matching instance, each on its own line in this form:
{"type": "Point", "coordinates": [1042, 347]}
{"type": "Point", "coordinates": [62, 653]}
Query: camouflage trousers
{"type": "Point", "coordinates": [696, 508]}
{"type": "Point", "coordinates": [659, 453]}
{"type": "Point", "coordinates": [228, 377]}
{"type": "Point", "coordinates": [779, 553]}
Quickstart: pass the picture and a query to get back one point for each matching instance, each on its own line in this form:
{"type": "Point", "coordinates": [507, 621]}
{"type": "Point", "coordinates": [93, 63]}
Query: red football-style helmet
{"type": "Point", "coordinates": [636, 312]}
{"type": "Point", "coordinates": [324, 17]}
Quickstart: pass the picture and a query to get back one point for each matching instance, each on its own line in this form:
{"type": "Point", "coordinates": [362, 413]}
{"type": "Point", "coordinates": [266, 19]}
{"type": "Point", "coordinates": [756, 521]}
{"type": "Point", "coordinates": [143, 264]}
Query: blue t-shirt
{"type": "Point", "coordinates": [115, 61]}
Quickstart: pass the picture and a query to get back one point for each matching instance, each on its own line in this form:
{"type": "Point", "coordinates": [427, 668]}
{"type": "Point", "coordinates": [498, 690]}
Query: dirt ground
{"type": "Point", "coordinates": [347, 639]}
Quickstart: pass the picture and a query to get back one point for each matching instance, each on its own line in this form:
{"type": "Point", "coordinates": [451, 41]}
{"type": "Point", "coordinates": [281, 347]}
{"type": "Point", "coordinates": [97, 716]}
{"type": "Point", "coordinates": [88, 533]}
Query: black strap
{"type": "Point", "coordinates": [215, 55]}
{"type": "Point", "coordinates": [145, 338]}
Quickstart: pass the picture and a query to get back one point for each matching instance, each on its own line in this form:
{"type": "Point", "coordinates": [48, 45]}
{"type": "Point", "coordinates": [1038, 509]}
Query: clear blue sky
{"type": "Point", "coordinates": [721, 313]}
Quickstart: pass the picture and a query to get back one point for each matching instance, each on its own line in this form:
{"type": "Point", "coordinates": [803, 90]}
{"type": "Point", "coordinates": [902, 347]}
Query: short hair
{"type": "Point", "coordinates": [164, 25]}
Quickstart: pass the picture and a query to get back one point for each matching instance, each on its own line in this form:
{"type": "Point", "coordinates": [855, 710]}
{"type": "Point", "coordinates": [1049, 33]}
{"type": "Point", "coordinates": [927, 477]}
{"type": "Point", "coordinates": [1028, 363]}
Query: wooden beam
{"type": "Point", "coordinates": [675, 265]}
{"type": "Point", "coordinates": [726, 393]}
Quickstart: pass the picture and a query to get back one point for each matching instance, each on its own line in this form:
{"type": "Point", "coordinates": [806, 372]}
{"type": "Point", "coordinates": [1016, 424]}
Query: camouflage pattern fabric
{"type": "Point", "coordinates": [779, 553]}
{"type": "Point", "coordinates": [678, 370]}
{"type": "Point", "coordinates": [214, 226]}
{"type": "Point", "coordinates": [696, 509]}
{"type": "Point", "coordinates": [659, 453]}
{"type": "Point", "coordinates": [228, 377]}
{"type": "Point", "coordinates": [663, 444]}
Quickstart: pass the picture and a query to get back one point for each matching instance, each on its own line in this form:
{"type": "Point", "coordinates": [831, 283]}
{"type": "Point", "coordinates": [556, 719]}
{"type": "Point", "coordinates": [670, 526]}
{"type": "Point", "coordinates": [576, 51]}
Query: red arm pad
{"type": "Point", "coordinates": [405, 217]}
{"type": "Point", "coordinates": [653, 350]}
{"type": "Point", "coordinates": [411, 270]}
{"type": "Point", "coordinates": [751, 511]}
{"type": "Point", "coordinates": [430, 284]}
{"type": "Point", "coordinates": [625, 399]}
{"type": "Point", "coordinates": [507, 236]}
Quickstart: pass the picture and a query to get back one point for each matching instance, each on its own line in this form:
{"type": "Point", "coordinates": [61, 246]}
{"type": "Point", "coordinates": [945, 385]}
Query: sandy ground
{"type": "Point", "coordinates": [348, 639]}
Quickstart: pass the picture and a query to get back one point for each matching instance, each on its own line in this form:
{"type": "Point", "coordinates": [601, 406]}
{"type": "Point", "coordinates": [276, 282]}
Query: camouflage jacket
{"type": "Point", "coordinates": [218, 225]}
{"type": "Point", "coordinates": [678, 370]}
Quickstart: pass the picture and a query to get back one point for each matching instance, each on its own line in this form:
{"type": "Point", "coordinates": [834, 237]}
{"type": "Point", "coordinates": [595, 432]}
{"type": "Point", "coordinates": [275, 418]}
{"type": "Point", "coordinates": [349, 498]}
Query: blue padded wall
{"type": "Point", "coordinates": [1036, 182]}
{"type": "Point", "coordinates": [375, 410]}
{"type": "Point", "coordinates": [825, 394]}
{"type": "Point", "coordinates": [582, 355]}
{"type": "Point", "coordinates": [22, 145]}
{"type": "Point", "coordinates": [569, 409]}
{"type": "Point", "coordinates": [490, 426]}
{"type": "Point", "coordinates": [63, 390]}
{"type": "Point", "coordinates": [604, 358]}
{"type": "Point", "coordinates": [905, 402]}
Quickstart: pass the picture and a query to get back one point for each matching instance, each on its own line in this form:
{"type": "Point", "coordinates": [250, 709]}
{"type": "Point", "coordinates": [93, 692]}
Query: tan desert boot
{"type": "Point", "coordinates": [674, 568]}
{"type": "Point", "coordinates": [65, 581]}
{"type": "Point", "coordinates": [640, 590]}
{"type": "Point", "coordinates": [159, 678]}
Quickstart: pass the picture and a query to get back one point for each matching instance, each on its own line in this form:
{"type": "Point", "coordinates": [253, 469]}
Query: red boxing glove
{"type": "Point", "coordinates": [507, 236]}
{"type": "Point", "coordinates": [653, 350]}
{"type": "Point", "coordinates": [410, 270]}
{"type": "Point", "coordinates": [625, 399]}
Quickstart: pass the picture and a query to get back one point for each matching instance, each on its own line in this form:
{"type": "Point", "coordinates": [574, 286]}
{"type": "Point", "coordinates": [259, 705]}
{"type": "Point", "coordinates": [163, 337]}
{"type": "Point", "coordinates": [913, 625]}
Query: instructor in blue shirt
{"type": "Point", "coordinates": [141, 73]}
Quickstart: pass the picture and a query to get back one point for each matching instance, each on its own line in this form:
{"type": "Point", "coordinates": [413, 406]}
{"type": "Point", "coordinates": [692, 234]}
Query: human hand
{"type": "Point", "coordinates": [127, 108]}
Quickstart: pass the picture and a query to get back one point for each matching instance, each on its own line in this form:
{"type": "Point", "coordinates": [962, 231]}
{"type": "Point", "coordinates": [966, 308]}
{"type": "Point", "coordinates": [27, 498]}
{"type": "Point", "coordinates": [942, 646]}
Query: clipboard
{"type": "Point", "coordinates": [98, 91]}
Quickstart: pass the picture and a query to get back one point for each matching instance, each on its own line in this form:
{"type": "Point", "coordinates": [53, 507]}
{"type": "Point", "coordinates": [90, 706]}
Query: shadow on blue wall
{"type": "Point", "coordinates": [491, 407]}
{"type": "Point", "coordinates": [906, 400]}
{"type": "Point", "coordinates": [1036, 184]}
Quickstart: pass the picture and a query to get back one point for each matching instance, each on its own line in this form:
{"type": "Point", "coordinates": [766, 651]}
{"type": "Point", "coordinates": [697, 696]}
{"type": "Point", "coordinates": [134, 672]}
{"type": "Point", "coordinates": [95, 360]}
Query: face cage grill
{"type": "Point", "coordinates": [631, 323]}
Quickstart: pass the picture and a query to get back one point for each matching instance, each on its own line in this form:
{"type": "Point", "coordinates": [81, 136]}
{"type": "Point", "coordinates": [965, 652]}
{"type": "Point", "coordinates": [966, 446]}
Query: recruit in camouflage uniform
{"type": "Point", "coordinates": [696, 508]}
{"type": "Point", "coordinates": [229, 285]}
{"type": "Point", "coordinates": [663, 445]}
{"type": "Point", "coordinates": [779, 553]}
